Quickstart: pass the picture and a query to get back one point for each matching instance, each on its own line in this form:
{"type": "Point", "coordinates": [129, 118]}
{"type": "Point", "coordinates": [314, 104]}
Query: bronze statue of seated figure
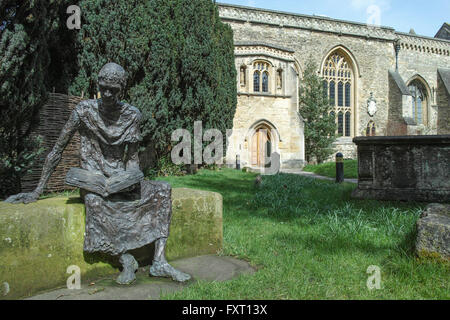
{"type": "Point", "coordinates": [123, 211]}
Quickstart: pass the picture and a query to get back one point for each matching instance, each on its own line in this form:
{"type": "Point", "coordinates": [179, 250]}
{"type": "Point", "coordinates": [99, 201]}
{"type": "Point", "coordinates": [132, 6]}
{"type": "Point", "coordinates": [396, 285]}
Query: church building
{"type": "Point", "coordinates": [381, 82]}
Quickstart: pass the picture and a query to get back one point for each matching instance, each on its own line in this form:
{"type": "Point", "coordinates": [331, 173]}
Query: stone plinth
{"type": "Point", "coordinates": [409, 168]}
{"type": "Point", "coordinates": [39, 241]}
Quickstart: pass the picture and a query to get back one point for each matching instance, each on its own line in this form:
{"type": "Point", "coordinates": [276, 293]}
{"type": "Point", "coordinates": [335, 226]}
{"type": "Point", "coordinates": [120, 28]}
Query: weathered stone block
{"type": "Point", "coordinates": [39, 241]}
{"type": "Point", "coordinates": [196, 227]}
{"type": "Point", "coordinates": [433, 232]}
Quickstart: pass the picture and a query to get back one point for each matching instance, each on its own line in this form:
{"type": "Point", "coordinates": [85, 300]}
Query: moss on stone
{"type": "Point", "coordinates": [39, 241]}
{"type": "Point", "coordinates": [196, 227]}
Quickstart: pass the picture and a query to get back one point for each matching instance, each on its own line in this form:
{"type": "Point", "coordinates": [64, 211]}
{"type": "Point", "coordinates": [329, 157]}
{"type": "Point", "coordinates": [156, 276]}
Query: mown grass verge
{"type": "Point", "coordinates": [329, 169]}
{"type": "Point", "coordinates": [310, 240]}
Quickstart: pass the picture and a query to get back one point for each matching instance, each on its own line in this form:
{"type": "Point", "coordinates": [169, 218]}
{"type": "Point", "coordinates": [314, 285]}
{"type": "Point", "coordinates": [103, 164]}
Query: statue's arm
{"type": "Point", "coordinates": [52, 161]}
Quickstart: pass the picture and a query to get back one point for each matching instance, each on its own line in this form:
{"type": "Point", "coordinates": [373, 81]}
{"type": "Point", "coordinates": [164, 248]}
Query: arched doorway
{"type": "Point", "coordinates": [262, 146]}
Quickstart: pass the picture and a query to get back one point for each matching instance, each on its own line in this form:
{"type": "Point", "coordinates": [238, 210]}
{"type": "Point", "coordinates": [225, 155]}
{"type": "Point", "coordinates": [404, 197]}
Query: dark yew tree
{"type": "Point", "coordinates": [179, 57]}
{"type": "Point", "coordinates": [37, 55]}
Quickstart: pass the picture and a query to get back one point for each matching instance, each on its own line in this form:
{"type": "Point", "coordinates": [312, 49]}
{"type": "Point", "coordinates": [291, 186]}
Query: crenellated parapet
{"type": "Point", "coordinates": [312, 23]}
{"type": "Point", "coordinates": [340, 27]}
{"type": "Point", "coordinates": [424, 44]}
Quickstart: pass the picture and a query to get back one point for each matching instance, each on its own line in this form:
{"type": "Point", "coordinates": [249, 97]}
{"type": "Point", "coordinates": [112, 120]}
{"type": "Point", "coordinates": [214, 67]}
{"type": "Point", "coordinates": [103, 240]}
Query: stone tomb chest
{"type": "Point", "coordinates": [410, 168]}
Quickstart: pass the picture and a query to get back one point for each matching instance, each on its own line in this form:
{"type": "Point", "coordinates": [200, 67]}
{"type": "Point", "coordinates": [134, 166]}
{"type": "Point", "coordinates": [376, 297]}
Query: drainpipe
{"type": "Point", "coordinates": [397, 50]}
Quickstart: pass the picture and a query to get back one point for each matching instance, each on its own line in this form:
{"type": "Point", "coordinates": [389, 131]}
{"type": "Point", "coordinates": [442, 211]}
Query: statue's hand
{"type": "Point", "coordinates": [23, 198]}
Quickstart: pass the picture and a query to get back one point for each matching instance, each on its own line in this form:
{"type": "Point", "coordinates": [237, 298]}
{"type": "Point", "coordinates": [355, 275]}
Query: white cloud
{"type": "Point", "coordinates": [364, 4]}
{"type": "Point", "coordinates": [251, 3]}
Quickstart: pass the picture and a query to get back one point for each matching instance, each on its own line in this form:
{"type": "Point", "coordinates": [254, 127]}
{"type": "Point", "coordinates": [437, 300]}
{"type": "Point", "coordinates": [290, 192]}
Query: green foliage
{"type": "Point", "coordinates": [164, 168]}
{"type": "Point", "coordinates": [329, 169]}
{"type": "Point", "coordinates": [310, 240]}
{"type": "Point", "coordinates": [15, 165]}
{"type": "Point", "coordinates": [36, 49]}
{"type": "Point", "coordinates": [315, 107]}
{"type": "Point", "coordinates": [179, 57]}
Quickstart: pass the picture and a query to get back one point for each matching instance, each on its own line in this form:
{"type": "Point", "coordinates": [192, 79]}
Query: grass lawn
{"type": "Point", "coordinates": [309, 240]}
{"type": "Point", "coordinates": [329, 169]}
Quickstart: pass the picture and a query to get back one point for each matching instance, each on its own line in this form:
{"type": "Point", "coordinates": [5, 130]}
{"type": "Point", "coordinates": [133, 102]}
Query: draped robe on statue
{"type": "Point", "coordinates": [138, 215]}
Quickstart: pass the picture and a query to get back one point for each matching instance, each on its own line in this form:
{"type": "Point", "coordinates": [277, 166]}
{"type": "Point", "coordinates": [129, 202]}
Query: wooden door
{"type": "Point", "coordinates": [259, 147]}
{"type": "Point", "coordinates": [255, 149]}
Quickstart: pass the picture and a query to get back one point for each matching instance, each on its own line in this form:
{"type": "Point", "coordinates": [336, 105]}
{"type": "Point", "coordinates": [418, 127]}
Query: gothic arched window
{"type": "Point", "coordinates": [338, 78]}
{"type": "Point", "coordinates": [419, 101]}
{"type": "Point", "coordinates": [325, 88]}
{"type": "Point", "coordinates": [261, 76]}
{"type": "Point", "coordinates": [265, 82]}
{"type": "Point", "coordinates": [340, 123]}
{"type": "Point", "coordinates": [256, 81]}
{"type": "Point", "coordinates": [371, 130]}
{"type": "Point", "coordinates": [347, 123]}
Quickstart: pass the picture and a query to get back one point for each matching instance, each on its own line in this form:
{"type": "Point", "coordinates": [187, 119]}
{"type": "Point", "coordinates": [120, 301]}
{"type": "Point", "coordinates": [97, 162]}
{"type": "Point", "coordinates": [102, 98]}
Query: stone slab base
{"type": "Point", "coordinates": [206, 268]}
{"type": "Point", "coordinates": [39, 241]}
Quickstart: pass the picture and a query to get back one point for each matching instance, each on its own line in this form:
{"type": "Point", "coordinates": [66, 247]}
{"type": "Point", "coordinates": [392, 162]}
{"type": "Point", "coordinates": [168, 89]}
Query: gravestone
{"type": "Point", "coordinates": [433, 232]}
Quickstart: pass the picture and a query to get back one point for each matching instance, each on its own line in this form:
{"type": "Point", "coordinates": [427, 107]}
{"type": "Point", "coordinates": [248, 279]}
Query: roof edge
{"type": "Point", "coordinates": [391, 29]}
{"type": "Point", "coordinates": [299, 15]}
{"type": "Point", "coordinates": [399, 82]}
{"type": "Point", "coordinates": [445, 77]}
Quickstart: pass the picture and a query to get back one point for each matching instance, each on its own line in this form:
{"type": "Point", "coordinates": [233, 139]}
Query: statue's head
{"type": "Point", "coordinates": [112, 80]}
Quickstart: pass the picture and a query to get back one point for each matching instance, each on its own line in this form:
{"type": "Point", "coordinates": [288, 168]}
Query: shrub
{"type": "Point", "coordinates": [315, 108]}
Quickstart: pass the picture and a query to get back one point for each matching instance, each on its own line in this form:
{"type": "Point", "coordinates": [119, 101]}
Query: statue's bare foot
{"type": "Point", "coordinates": [163, 269]}
{"type": "Point", "coordinates": [130, 266]}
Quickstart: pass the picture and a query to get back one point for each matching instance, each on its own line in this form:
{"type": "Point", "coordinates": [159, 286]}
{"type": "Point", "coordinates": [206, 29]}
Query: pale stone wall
{"type": "Point", "coordinates": [276, 109]}
{"type": "Point", "coordinates": [419, 58]}
{"type": "Point", "coordinates": [370, 50]}
{"type": "Point", "coordinates": [279, 112]}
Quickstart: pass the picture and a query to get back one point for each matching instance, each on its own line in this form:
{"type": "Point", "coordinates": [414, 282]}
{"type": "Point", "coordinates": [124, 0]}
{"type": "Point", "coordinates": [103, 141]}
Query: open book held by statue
{"type": "Point", "coordinates": [123, 211]}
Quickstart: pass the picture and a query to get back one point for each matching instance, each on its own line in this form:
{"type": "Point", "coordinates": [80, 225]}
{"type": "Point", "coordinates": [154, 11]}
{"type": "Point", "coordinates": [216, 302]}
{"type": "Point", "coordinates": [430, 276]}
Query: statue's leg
{"type": "Point", "coordinates": [160, 266]}
{"type": "Point", "coordinates": [130, 266]}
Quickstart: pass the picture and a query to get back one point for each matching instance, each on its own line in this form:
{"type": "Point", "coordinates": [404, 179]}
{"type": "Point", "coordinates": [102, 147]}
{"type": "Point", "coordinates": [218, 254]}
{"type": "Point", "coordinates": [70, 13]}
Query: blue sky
{"type": "Point", "coordinates": [425, 17]}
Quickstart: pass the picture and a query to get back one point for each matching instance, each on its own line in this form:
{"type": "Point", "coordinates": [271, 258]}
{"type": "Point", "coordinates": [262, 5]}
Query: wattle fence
{"type": "Point", "coordinates": [52, 118]}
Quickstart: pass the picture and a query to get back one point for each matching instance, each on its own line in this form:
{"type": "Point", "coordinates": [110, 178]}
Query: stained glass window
{"type": "Point", "coordinates": [261, 76]}
{"type": "Point", "coordinates": [340, 94]}
{"type": "Point", "coordinates": [347, 124]}
{"type": "Point", "coordinates": [340, 123]}
{"type": "Point", "coordinates": [347, 94]}
{"type": "Point", "coordinates": [265, 82]}
{"type": "Point", "coordinates": [419, 101]}
{"type": "Point", "coordinates": [338, 83]}
{"type": "Point", "coordinates": [256, 81]}
{"type": "Point", "coordinates": [332, 92]}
